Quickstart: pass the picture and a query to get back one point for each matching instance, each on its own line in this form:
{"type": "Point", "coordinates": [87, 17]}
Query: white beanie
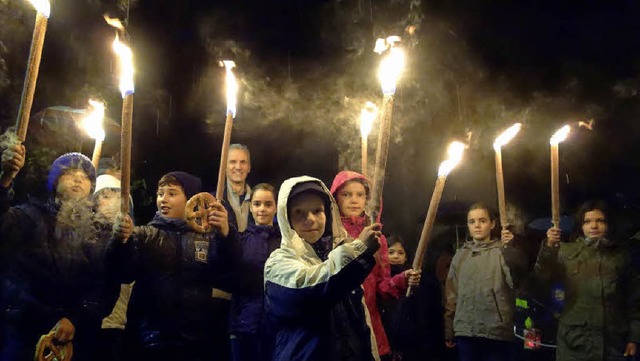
{"type": "Point", "coordinates": [106, 181]}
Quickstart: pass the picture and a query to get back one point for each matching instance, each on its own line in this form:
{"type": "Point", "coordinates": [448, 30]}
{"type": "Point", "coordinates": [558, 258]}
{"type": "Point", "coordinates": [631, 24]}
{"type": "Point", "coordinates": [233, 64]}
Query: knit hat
{"type": "Point", "coordinates": [70, 161]}
{"type": "Point", "coordinates": [191, 184]}
{"type": "Point", "coordinates": [106, 181]}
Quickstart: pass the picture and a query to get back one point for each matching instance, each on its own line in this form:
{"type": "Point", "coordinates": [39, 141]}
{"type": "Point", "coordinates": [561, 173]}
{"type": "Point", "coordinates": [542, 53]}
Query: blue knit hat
{"type": "Point", "coordinates": [70, 161]}
{"type": "Point", "coordinates": [191, 184]}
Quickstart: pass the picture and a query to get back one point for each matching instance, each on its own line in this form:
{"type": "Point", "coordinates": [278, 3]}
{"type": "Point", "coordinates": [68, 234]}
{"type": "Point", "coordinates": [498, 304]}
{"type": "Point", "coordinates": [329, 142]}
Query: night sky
{"type": "Point", "coordinates": [306, 68]}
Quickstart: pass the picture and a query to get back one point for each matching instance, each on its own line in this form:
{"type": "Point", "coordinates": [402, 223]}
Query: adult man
{"type": "Point", "coordinates": [237, 193]}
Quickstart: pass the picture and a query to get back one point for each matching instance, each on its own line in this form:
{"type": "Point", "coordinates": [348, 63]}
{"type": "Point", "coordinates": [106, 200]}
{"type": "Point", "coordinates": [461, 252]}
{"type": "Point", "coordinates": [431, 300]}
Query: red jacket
{"type": "Point", "coordinates": [379, 281]}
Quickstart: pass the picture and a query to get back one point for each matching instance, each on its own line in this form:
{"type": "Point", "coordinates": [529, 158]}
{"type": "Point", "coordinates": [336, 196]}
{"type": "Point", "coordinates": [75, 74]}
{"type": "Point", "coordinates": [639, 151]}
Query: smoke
{"type": "Point", "coordinates": [9, 139]}
{"type": "Point", "coordinates": [77, 216]}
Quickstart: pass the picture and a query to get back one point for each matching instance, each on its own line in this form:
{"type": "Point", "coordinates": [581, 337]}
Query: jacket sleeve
{"type": "Point", "coordinates": [516, 263]}
{"type": "Point", "coordinates": [451, 297]}
{"type": "Point", "coordinates": [547, 264]}
{"type": "Point", "coordinates": [224, 255]}
{"type": "Point", "coordinates": [633, 302]}
{"type": "Point", "coordinates": [123, 259]}
{"type": "Point", "coordinates": [294, 288]}
{"type": "Point", "coordinates": [386, 286]}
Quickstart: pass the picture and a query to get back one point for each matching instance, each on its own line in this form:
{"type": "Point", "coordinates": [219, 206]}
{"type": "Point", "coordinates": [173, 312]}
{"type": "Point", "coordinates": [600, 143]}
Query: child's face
{"type": "Point", "coordinates": [263, 207]}
{"type": "Point", "coordinates": [73, 184]}
{"type": "Point", "coordinates": [351, 198]}
{"type": "Point", "coordinates": [171, 201]}
{"type": "Point", "coordinates": [307, 216]}
{"type": "Point", "coordinates": [397, 255]}
{"type": "Point", "coordinates": [480, 225]}
{"type": "Point", "coordinates": [594, 224]}
{"type": "Point", "coordinates": [108, 203]}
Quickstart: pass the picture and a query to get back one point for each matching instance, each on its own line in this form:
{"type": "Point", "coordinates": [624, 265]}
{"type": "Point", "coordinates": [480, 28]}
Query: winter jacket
{"type": "Point", "coordinates": [479, 292]}
{"type": "Point", "coordinates": [602, 299]}
{"type": "Point", "coordinates": [171, 301]}
{"type": "Point", "coordinates": [251, 250]}
{"type": "Point", "coordinates": [53, 266]}
{"type": "Point", "coordinates": [316, 305]}
{"type": "Point", "coordinates": [379, 282]}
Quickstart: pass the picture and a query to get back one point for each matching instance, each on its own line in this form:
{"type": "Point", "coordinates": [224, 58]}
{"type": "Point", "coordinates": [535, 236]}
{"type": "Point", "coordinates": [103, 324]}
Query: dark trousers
{"type": "Point", "coordinates": [483, 349]}
{"type": "Point", "coordinates": [245, 347]}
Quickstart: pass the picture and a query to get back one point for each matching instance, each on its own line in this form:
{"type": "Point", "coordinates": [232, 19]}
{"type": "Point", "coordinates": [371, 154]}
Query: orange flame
{"type": "Point", "coordinates": [92, 123]}
{"type": "Point", "coordinates": [560, 135]}
{"type": "Point", "coordinates": [506, 136]}
{"type": "Point", "coordinates": [125, 57]}
{"type": "Point", "coordinates": [367, 116]}
{"type": "Point", "coordinates": [455, 152]}
{"type": "Point", "coordinates": [115, 22]}
{"type": "Point", "coordinates": [42, 6]}
{"type": "Point", "coordinates": [232, 87]}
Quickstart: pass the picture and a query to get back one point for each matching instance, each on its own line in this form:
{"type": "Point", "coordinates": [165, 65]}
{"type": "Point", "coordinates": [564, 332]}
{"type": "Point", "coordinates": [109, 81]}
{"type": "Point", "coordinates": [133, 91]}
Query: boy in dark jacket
{"type": "Point", "coordinates": [53, 269]}
{"type": "Point", "coordinates": [170, 314]}
{"type": "Point", "coordinates": [313, 281]}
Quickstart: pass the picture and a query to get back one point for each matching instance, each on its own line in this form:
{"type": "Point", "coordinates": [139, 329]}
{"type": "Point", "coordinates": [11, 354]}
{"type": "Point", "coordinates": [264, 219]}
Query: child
{"type": "Point", "coordinates": [249, 338]}
{"type": "Point", "coordinates": [393, 320]}
{"type": "Point", "coordinates": [107, 202]}
{"type": "Point", "coordinates": [312, 282]}
{"type": "Point", "coordinates": [170, 310]}
{"type": "Point", "coordinates": [479, 292]}
{"type": "Point", "coordinates": [601, 315]}
{"type": "Point", "coordinates": [53, 274]}
{"type": "Point", "coordinates": [352, 191]}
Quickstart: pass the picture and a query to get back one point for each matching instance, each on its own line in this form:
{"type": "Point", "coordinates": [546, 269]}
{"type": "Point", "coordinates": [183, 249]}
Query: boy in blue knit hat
{"type": "Point", "coordinates": [48, 251]}
{"type": "Point", "coordinates": [171, 315]}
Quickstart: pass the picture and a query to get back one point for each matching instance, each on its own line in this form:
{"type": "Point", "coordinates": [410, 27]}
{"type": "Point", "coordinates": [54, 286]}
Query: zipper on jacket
{"type": "Point", "coordinates": [495, 301]}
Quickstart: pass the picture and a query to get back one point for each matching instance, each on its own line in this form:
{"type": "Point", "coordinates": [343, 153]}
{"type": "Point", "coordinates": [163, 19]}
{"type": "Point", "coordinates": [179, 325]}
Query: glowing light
{"type": "Point", "coordinates": [560, 135]}
{"type": "Point", "coordinates": [125, 57]}
{"type": "Point", "coordinates": [367, 116]}
{"type": "Point", "coordinates": [92, 123]}
{"type": "Point", "coordinates": [42, 6]}
{"type": "Point", "coordinates": [392, 65]}
{"type": "Point", "coordinates": [506, 136]}
{"type": "Point", "coordinates": [232, 87]}
{"type": "Point", "coordinates": [115, 22]}
{"type": "Point", "coordinates": [455, 152]}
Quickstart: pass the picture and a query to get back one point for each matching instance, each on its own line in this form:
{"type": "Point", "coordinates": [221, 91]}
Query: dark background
{"type": "Point", "coordinates": [306, 68]}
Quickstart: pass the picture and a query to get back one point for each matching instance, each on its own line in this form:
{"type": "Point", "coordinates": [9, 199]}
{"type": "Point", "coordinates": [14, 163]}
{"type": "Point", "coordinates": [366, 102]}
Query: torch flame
{"type": "Point", "coordinates": [560, 135]}
{"type": "Point", "coordinates": [126, 66]}
{"type": "Point", "coordinates": [42, 6]}
{"type": "Point", "coordinates": [92, 123]}
{"type": "Point", "coordinates": [506, 136]}
{"type": "Point", "coordinates": [115, 22]}
{"type": "Point", "coordinates": [391, 66]}
{"type": "Point", "coordinates": [232, 87]}
{"type": "Point", "coordinates": [455, 152]}
{"type": "Point", "coordinates": [367, 116]}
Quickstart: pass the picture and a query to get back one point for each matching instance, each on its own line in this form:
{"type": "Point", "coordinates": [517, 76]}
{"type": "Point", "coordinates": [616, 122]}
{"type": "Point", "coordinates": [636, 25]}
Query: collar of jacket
{"type": "Point", "coordinates": [259, 229]}
{"type": "Point", "coordinates": [355, 221]}
{"type": "Point", "coordinates": [479, 246]}
{"type": "Point", "coordinates": [174, 224]}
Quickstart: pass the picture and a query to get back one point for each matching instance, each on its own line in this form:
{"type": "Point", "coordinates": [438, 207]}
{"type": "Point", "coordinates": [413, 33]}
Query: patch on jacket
{"type": "Point", "coordinates": [202, 250]}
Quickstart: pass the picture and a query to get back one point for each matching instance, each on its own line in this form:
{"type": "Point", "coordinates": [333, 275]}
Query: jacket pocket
{"type": "Point", "coordinates": [495, 302]}
{"type": "Point", "coordinates": [574, 335]}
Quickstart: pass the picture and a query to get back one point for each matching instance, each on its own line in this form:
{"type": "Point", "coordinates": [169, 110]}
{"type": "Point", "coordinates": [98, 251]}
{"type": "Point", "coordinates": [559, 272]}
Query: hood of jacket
{"type": "Point", "coordinates": [347, 175]}
{"type": "Point", "coordinates": [290, 239]}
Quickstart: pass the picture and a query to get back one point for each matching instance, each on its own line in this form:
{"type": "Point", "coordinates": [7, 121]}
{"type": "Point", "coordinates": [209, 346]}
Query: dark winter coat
{"type": "Point", "coordinates": [317, 302]}
{"type": "Point", "coordinates": [52, 267]}
{"type": "Point", "coordinates": [251, 250]}
{"type": "Point", "coordinates": [171, 302]}
{"type": "Point", "coordinates": [602, 299]}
